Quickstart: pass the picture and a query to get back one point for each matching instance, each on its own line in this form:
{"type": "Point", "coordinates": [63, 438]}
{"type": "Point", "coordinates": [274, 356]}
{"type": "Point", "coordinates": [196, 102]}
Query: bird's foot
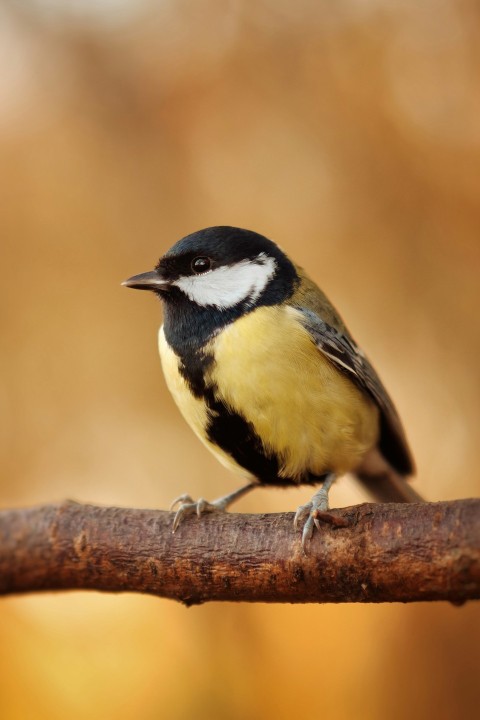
{"type": "Point", "coordinates": [188, 506]}
{"type": "Point", "coordinates": [315, 511]}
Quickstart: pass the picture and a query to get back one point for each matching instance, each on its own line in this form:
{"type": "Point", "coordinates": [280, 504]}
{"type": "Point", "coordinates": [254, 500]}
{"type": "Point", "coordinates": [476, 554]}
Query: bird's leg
{"type": "Point", "coordinates": [311, 510]}
{"type": "Point", "coordinates": [188, 506]}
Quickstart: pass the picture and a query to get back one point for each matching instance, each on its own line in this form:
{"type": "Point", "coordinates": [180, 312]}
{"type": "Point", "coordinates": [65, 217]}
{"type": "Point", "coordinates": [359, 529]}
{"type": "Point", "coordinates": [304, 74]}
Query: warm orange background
{"type": "Point", "coordinates": [348, 132]}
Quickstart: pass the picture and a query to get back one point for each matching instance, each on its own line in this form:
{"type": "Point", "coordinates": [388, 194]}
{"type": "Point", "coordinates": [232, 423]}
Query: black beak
{"type": "Point", "coordinates": [147, 281]}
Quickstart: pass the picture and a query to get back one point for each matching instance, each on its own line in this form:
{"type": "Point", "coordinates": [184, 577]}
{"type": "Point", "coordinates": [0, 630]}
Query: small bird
{"type": "Point", "coordinates": [267, 375]}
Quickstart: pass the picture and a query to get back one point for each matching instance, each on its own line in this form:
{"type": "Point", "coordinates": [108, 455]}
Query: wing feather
{"type": "Point", "coordinates": [341, 349]}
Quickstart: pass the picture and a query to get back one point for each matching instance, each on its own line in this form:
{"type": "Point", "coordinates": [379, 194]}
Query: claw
{"type": "Point", "coordinates": [302, 512]}
{"type": "Point", "coordinates": [307, 532]}
{"type": "Point", "coordinates": [188, 506]}
{"type": "Point", "coordinates": [314, 511]}
{"type": "Point", "coordinates": [181, 499]}
{"type": "Point", "coordinates": [192, 507]}
{"type": "Point", "coordinates": [330, 519]}
{"type": "Point", "coordinates": [203, 506]}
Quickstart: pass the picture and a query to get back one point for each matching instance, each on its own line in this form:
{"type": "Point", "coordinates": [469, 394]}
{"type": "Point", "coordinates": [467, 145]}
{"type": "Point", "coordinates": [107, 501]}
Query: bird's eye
{"type": "Point", "coordinates": [201, 264]}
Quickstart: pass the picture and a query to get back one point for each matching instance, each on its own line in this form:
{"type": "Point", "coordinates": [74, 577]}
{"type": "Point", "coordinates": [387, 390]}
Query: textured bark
{"type": "Point", "coordinates": [385, 553]}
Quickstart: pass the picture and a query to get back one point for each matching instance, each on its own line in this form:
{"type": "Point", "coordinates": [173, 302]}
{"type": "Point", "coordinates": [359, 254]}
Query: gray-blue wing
{"type": "Point", "coordinates": [345, 354]}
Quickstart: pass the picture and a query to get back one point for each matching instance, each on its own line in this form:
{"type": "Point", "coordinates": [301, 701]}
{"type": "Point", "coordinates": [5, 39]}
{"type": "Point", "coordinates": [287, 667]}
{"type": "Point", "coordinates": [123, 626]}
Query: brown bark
{"type": "Point", "coordinates": [386, 553]}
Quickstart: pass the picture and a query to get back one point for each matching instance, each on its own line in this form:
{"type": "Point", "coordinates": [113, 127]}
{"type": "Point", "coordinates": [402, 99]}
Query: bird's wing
{"type": "Point", "coordinates": [340, 348]}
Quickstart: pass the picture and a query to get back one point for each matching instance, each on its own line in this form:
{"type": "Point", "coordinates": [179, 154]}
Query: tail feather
{"type": "Point", "coordinates": [383, 482]}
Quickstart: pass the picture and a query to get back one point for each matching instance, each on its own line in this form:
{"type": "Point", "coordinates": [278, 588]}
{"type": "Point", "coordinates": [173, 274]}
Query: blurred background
{"type": "Point", "coordinates": [348, 132]}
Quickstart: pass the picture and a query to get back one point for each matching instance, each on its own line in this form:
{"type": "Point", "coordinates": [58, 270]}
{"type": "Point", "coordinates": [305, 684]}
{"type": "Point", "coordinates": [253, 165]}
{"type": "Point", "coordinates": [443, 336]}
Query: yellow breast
{"type": "Point", "coordinates": [268, 370]}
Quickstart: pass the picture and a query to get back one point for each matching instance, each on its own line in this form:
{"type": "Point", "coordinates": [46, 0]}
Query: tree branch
{"type": "Point", "coordinates": [386, 553]}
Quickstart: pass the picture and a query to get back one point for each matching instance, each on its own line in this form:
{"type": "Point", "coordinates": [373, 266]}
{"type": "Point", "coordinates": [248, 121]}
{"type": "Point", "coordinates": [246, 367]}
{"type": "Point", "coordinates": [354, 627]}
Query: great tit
{"type": "Point", "coordinates": [267, 375]}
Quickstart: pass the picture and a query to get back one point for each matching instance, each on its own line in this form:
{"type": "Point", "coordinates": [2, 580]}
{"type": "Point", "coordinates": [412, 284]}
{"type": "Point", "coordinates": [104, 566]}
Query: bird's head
{"type": "Point", "coordinates": [222, 268]}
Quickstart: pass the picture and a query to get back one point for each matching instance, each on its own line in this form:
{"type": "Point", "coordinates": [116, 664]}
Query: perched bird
{"type": "Point", "coordinates": [267, 375]}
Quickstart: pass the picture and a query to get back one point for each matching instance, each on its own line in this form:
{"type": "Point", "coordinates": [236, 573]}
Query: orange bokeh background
{"type": "Point", "coordinates": [349, 133]}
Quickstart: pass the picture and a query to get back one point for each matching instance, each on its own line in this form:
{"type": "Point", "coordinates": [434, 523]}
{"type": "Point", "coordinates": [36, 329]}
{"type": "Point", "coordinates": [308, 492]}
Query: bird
{"type": "Point", "coordinates": [265, 372]}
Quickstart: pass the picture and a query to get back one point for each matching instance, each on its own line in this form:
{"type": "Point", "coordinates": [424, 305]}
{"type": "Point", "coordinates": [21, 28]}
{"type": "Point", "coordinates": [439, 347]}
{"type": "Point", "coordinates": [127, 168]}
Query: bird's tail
{"type": "Point", "coordinates": [385, 484]}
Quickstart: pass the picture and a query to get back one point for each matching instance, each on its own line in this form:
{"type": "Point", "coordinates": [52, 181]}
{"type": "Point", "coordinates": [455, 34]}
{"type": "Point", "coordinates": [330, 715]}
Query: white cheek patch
{"type": "Point", "coordinates": [228, 285]}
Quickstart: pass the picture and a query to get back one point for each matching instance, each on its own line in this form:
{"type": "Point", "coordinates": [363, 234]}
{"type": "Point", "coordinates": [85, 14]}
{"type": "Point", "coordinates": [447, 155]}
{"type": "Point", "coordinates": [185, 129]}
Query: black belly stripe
{"type": "Point", "coordinates": [227, 429]}
{"type": "Point", "coordinates": [230, 431]}
{"type": "Point", "coordinates": [236, 436]}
